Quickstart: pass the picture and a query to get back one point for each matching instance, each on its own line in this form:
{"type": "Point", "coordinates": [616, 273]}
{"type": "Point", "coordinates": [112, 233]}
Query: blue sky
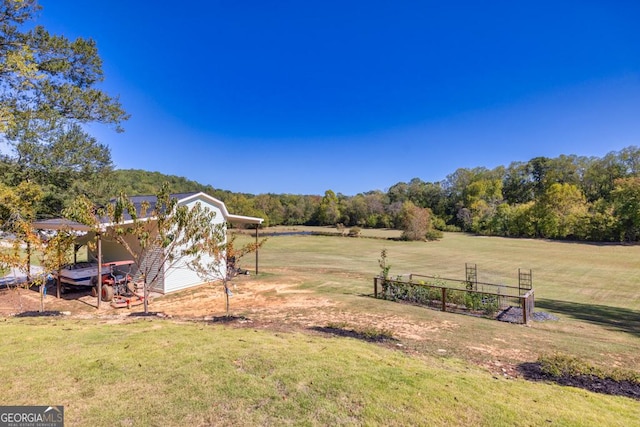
{"type": "Point", "coordinates": [301, 97]}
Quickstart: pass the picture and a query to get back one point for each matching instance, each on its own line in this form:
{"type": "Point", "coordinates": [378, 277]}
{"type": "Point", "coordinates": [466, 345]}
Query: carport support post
{"type": "Point", "coordinates": [99, 237]}
{"type": "Point", "coordinates": [29, 262]}
{"type": "Point", "coordinates": [257, 249]}
{"type": "Point", "coordinates": [59, 261]}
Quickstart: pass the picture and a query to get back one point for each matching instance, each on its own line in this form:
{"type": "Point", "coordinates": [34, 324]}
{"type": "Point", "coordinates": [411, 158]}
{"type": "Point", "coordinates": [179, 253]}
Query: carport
{"type": "Point", "coordinates": [60, 224]}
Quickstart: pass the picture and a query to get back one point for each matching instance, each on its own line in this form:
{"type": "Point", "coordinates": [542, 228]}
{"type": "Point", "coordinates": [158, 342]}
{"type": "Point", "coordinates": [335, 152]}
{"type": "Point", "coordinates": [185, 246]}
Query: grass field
{"type": "Point", "coordinates": [277, 369]}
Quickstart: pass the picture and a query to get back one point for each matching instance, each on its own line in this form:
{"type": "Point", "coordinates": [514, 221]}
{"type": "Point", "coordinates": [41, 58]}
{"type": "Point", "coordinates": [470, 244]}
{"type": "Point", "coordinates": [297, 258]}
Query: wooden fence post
{"type": "Point", "coordinates": [444, 299]}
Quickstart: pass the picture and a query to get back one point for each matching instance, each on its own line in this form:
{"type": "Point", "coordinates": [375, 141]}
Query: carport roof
{"type": "Point", "coordinates": [60, 224]}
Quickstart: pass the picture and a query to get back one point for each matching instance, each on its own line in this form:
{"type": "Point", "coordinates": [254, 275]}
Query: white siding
{"type": "Point", "coordinates": [180, 276]}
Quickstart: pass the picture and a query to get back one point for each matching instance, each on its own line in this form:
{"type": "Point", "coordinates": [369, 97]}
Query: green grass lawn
{"type": "Point", "coordinates": [445, 371]}
{"type": "Point", "coordinates": [159, 372]}
{"type": "Point", "coordinates": [593, 289]}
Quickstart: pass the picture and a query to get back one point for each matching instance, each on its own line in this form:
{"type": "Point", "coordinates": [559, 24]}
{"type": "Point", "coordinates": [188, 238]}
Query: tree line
{"type": "Point", "coordinates": [567, 197]}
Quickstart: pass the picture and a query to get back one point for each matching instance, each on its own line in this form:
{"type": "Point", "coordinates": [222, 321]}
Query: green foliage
{"type": "Point", "coordinates": [416, 222]}
{"type": "Point", "coordinates": [329, 209]}
{"type": "Point", "coordinates": [431, 294]}
{"type": "Point", "coordinates": [473, 300]}
{"type": "Point", "coordinates": [48, 91]}
{"type": "Point", "coordinates": [626, 205]}
{"type": "Point", "coordinates": [140, 182]}
{"type": "Point", "coordinates": [384, 266]}
{"type": "Point", "coordinates": [560, 365]}
{"type": "Point", "coordinates": [561, 211]}
{"type": "Point", "coordinates": [456, 297]}
{"type": "Point", "coordinates": [433, 234]}
{"type": "Point", "coordinates": [355, 231]}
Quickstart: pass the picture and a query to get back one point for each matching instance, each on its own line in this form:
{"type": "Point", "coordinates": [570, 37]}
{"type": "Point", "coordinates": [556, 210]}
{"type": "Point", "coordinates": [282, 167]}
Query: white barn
{"type": "Point", "coordinates": [172, 278]}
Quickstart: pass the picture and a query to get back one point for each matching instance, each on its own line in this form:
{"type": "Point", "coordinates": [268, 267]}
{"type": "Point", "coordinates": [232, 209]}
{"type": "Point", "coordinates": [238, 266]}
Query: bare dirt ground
{"type": "Point", "coordinates": [255, 302]}
{"type": "Point", "coordinates": [280, 305]}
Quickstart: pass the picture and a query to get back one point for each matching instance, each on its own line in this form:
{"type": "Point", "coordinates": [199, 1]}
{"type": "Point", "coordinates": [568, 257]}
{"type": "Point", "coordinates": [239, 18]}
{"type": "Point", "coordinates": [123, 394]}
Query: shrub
{"type": "Point", "coordinates": [472, 300]}
{"type": "Point", "coordinates": [456, 297]}
{"type": "Point", "coordinates": [433, 234]}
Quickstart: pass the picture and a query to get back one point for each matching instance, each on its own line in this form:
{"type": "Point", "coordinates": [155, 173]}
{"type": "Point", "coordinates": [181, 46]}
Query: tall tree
{"type": "Point", "coordinates": [517, 183]}
{"type": "Point", "coordinates": [626, 201]}
{"type": "Point", "coordinates": [223, 266]}
{"type": "Point", "coordinates": [329, 209]}
{"type": "Point", "coordinates": [17, 211]}
{"type": "Point", "coordinates": [562, 212]}
{"type": "Point", "coordinates": [47, 91]}
{"type": "Point", "coordinates": [416, 222]}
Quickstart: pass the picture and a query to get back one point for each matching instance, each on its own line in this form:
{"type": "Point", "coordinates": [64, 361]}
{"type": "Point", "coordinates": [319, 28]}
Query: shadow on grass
{"type": "Point", "coordinates": [534, 372]}
{"type": "Point", "coordinates": [365, 335]}
{"type": "Point", "coordinates": [614, 318]}
{"type": "Point", "coordinates": [40, 314]}
{"type": "Point", "coordinates": [228, 319]}
{"type": "Point", "coordinates": [148, 314]}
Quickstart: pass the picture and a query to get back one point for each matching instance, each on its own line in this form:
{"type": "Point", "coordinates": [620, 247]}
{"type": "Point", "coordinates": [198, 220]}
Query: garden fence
{"type": "Point", "coordinates": [472, 297]}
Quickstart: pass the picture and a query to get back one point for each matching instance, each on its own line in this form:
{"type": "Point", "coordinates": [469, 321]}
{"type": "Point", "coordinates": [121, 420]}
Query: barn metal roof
{"type": "Point", "coordinates": [65, 224]}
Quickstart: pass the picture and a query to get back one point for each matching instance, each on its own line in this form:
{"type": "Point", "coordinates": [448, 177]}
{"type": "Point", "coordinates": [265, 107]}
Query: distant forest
{"type": "Point", "coordinates": [567, 197]}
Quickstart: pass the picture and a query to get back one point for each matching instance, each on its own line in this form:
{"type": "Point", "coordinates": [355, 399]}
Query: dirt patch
{"type": "Point", "coordinates": [261, 302]}
{"type": "Point", "coordinates": [15, 300]}
{"type": "Point", "coordinates": [247, 294]}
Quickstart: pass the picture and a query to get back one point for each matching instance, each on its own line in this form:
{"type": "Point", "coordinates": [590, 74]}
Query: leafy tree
{"type": "Point", "coordinates": [224, 266]}
{"type": "Point", "coordinates": [603, 225]}
{"type": "Point", "coordinates": [377, 214]}
{"type": "Point", "coordinates": [630, 158]}
{"type": "Point", "coordinates": [626, 202]}
{"type": "Point", "coordinates": [416, 222]}
{"type": "Point", "coordinates": [52, 255]}
{"type": "Point", "coordinates": [398, 192]}
{"type": "Point", "coordinates": [522, 221]}
{"type": "Point", "coordinates": [47, 91]}
{"type": "Point", "coordinates": [517, 184]}
{"type": "Point", "coordinates": [271, 207]}
{"type": "Point", "coordinates": [329, 209]}
{"type": "Point", "coordinates": [561, 212]}
{"type": "Point", "coordinates": [481, 197]}
{"type": "Point", "coordinates": [71, 163]}
{"type": "Point", "coordinates": [17, 211]}
{"type": "Point", "coordinates": [48, 81]}
{"type": "Point", "coordinates": [458, 186]}
{"type": "Point", "coordinates": [600, 175]}
{"type": "Point", "coordinates": [539, 169]}
{"type": "Point", "coordinates": [355, 211]}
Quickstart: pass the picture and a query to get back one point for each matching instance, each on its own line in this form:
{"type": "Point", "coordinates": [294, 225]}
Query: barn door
{"type": "Point", "coordinates": [152, 266]}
